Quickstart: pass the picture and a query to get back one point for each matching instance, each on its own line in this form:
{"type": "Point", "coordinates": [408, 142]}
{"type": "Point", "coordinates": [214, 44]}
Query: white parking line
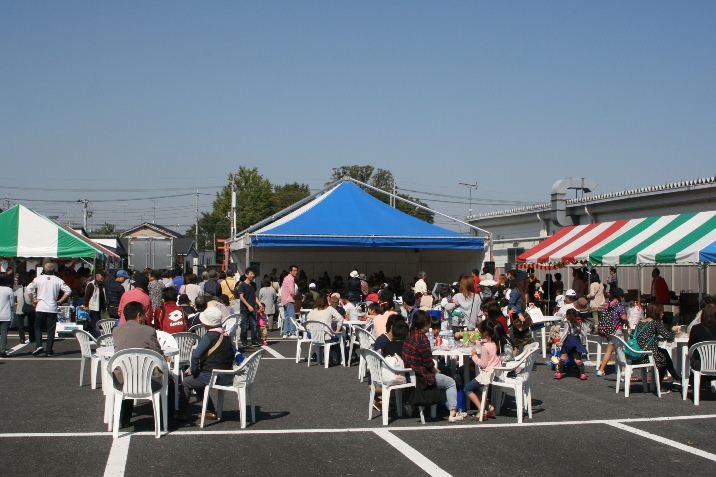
{"type": "Point", "coordinates": [664, 440]}
{"type": "Point", "coordinates": [117, 460]}
{"type": "Point", "coordinates": [416, 457]}
{"type": "Point", "coordinates": [452, 427]}
{"type": "Point", "coordinates": [273, 352]}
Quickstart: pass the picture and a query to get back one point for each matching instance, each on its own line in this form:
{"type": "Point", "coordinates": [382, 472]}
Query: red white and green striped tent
{"type": "Point", "coordinates": [682, 238]}
{"type": "Point", "coordinates": [26, 234]}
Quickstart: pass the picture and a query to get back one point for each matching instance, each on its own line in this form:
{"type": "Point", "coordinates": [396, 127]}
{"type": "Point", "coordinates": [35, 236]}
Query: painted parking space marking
{"type": "Point", "coordinates": [428, 466]}
{"type": "Point", "coordinates": [117, 461]}
{"type": "Point", "coordinates": [273, 352]}
{"type": "Point", "coordinates": [664, 440]}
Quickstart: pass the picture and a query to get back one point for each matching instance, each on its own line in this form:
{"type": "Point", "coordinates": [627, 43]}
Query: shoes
{"type": "Point", "coordinates": [211, 416]}
{"type": "Point", "coordinates": [461, 413]}
{"type": "Point", "coordinates": [4, 354]}
{"type": "Point", "coordinates": [408, 410]}
{"type": "Point", "coordinates": [265, 343]}
{"type": "Point", "coordinates": [665, 391]}
{"type": "Point", "coordinates": [284, 336]}
{"type": "Point", "coordinates": [583, 377]}
{"type": "Point", "coordinates": [600, 373]}
{"type": "Point", "coordinates": [377, 405]}
{"type": "Point", "coordinates": [49, 354]}
{"type": "Point", "coordinates": [293, 337]}
{"type": "Point", "coordinates": [23, 341]}
{"type": "Point", "coordinates": [455, 418]}
{"type": "Point", "coordinates": [255, 343]}
{"type": "Point", "coordinates": [38, 351]}
{"type": "Point", "coordinates": [244, 344]}
{"type": "Point", "coordinates": [558, 375]}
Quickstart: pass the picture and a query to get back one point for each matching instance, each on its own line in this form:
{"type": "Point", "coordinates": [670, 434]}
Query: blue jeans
{"type": "Point", "coordinates": [288, 313]}
{"type": "Point", "coordinates": [51, 320]}
{"type": "Point", "coordinates": [448, 384]}
{"type": "Point", "coordinates": [249, 318]}
{"type": "Point", "coordinates": [472, 387]}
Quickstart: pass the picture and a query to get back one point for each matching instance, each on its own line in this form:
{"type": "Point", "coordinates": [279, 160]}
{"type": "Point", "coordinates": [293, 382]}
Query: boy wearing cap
{"type": "Point", "coordinates": [114, 290]}
{"type": "Point", "coordinates": [213, 352]}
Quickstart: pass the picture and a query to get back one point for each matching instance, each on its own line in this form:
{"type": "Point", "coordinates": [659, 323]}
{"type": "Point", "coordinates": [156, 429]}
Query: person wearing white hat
{"type": "Point", "coordinates": [354, 288]}
{"type": "Point", "coordinates": [214, 351]}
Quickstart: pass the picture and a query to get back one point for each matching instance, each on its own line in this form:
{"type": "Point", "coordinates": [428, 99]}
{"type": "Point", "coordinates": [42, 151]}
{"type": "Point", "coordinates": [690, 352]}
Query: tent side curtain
{"type": "Point", "coordinates": [265, 240]}
{"type": "Point", "coordinates": [681, 238]}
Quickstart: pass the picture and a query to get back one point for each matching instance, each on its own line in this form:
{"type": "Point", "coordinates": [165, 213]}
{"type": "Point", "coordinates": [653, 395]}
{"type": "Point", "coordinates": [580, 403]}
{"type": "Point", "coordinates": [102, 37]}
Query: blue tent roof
{"type": "Point", "coordinates": [708, 253]}
{"type": "Point", "coordinates": [347, 216]}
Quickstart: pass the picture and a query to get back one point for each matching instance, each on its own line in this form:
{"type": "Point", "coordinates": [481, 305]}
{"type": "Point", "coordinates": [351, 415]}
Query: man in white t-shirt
{"type": "Point", "coordinates": [44, 291]}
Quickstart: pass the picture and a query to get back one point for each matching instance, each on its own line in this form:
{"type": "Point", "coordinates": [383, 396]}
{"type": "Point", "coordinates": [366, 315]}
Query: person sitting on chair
{"type": "Point", "coordinates": [214, 351]}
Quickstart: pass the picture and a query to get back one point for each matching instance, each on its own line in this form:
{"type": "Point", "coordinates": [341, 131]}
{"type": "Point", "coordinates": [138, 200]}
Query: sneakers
{"type": "Point", "coordinates": [211, 416]}
{"type": "Point", "coordinates": [456, 418]}
{"type": "Point", "coordinates": [293, 337]}
{"type": "Point", "coordinates": [265, 343]}
{"type": "Point", "coordinates": [284, 336]}
{"type": "Point", "coordinates": [49, 354]}
{"type": "Point", "coordinates": [244, 344]}
{"type": "Point", "coordinates": [600, 373]}
{"type": "Point", "coordinates": [461, 413]}
{"type": "Point", "coordinates": [583, 377]}
{"type": "Point", "coordinates": [558, 375]}
{"type": "Point", "coordinates": [38, 351]}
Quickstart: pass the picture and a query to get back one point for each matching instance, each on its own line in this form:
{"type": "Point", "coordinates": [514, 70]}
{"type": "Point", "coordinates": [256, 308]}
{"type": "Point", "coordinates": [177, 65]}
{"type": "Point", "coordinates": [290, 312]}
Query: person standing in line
{"type": "Point", "coordinates": [95, 300]}
{"type": "Point", "coordinates": [7, 305]}
{"type": "Point", "coordinates": [20, 309]}
{"type": "Point", "coordinates": [612, 279]}
{"type": "Point", "coordinates": [115, 290]}
{"type": "Point", "coordinates": [44, 291]}
{"type": "Point", "coordinates": [154, 288]}
{"type": "Point", "coordinates": [249, 304]}
{"type": "Point", "coordinates": [267, 296]}
{"type": "Point", "coordinates": [288, 301]}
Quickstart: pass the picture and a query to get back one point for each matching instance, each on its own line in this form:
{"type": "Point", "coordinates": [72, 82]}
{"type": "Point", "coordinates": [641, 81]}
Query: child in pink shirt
{"type": "Point", "coordinates": [488, 359]}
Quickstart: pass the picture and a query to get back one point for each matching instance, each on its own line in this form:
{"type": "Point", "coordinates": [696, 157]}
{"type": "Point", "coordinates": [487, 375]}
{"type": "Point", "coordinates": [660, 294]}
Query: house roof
{"type": "Point", "coordinates": [156, 227]}
{"type": "Point", "coordinates": [666, 188]}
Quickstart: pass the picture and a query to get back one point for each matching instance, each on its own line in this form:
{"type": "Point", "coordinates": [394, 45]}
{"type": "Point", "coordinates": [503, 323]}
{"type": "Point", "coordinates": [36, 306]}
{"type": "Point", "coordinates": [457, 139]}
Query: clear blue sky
{"type": "Point", "coordinates": [128, 100]}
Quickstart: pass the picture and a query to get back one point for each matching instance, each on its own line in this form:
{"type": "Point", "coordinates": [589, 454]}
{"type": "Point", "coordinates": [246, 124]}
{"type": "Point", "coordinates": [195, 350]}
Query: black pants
{"type": "Point", "coordinates": [51, 319]}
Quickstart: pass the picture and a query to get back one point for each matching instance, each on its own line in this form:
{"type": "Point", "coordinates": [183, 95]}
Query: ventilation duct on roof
{"type": "Point", "coordinates": [559, 198]}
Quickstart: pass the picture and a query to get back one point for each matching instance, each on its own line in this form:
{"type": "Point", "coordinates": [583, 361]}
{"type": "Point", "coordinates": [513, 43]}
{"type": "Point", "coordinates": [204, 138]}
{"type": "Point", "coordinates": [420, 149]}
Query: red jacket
{"type": "Point", "coordinates": [170, 318]}
{"type": "Point", "coordinates": [661, 289]}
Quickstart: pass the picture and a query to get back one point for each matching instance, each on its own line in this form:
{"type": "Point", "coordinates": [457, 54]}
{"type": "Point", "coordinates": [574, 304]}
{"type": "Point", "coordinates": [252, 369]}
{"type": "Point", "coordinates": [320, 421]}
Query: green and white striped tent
{"type": "Point", "coordinates": [26, 234]}
{"type": "Point", "coordinates": [670, 239]}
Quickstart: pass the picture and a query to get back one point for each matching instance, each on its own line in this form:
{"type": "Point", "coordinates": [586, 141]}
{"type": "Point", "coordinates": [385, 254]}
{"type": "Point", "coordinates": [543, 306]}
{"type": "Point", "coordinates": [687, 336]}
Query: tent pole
{"type": "Point", "coordinates": [700, 268]}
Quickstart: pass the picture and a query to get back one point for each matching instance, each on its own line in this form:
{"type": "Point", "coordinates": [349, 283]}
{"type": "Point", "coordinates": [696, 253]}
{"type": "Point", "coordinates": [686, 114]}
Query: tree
{"type": "Point", "coordinates": [256, 199]}
{"type": "Point", "coordinates": [288, 194]}
{"type": "Point", "coordinates": [383, 180]}
{"type": "Point", "coordinates": [107, 229]}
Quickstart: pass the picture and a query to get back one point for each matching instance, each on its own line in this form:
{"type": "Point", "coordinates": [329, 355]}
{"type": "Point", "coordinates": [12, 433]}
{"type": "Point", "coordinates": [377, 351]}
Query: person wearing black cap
{"type": "Point", "coordinates": [616, 311]}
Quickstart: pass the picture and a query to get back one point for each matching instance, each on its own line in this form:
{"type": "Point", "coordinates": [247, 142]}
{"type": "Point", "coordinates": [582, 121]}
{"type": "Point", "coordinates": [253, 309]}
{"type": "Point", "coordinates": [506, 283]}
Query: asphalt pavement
{"type": "Point", "coordinates": [314, 421]}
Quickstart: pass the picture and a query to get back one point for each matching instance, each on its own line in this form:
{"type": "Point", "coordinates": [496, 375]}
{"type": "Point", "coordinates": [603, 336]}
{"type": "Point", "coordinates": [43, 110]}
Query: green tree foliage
{"type": "Point", "coordinates": [383, 180]}
{"type": "Point", "coordinates": [287, 195]}
{"type": "Point", "coordinates": [256, 199]}
{"type": "Point", "coordinates": [107, 229]}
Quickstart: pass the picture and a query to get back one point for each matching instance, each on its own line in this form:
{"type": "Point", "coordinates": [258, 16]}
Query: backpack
{"type": "Point", "coordinates": [605, 326]}
{"type": "Point", "coordinates": [634, 344]}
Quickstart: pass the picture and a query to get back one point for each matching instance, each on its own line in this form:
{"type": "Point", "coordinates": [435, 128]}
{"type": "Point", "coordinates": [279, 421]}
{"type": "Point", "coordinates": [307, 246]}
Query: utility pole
{"type": "Point", "coordinates": [470, 187]}
{"type": "Point", "coordinates": [233, 209]}
{"type": "Point", "coordinates": [196, 230]}
{"type": "Point", "coordinates": [392, 197]}
{"type": "Point", "coordinates": [85, 202]}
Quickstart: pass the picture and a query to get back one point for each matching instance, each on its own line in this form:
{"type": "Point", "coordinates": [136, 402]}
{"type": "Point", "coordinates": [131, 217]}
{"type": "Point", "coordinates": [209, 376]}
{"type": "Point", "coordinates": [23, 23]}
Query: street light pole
{"type": "Point", "coordinates": [470, 187]}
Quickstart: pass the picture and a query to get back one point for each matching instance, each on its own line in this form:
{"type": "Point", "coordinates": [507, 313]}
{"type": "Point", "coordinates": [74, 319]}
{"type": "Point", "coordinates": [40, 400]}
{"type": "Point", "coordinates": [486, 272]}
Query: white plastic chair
{"type": "Point", "coordinates": [365, 341]}
{"type": "Point", "coordinates": [376, 363]}
{"type": "Point", "coordinates": [244, 377]}
{"type": "Point", "coordinates": [86, 341]}
{"type": "Point", "coordinates": [232, 326]}
{"type": "Point", "coordinates": [318, 331]}
{"type": "Point", "coordinates": [519, 384]}
{"type": "Point", "coordinates": [166, 340]}
{"type": "Point", "coordinates": [106, 340]}
{"type": "Point", "coordinates": [137, 366]}
{"type": "Point", "coordinates": [281, 315]}
{"type": "Point", "coordinates": [105, 327]}
{"type": "Point", "coordinates": [625, 367]}
{"type": "Point", "coordinates": [301, 337]}
{"type": "Point", "coordinates": [186, 342]}
{"type": "Point", "coordinates": [707, 351]}
{"type": "Point", "coordinates": [198, 330]}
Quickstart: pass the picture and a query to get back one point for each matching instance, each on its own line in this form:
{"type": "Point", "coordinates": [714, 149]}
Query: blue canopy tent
{"type": "Point", "coordinates": [343, 228]}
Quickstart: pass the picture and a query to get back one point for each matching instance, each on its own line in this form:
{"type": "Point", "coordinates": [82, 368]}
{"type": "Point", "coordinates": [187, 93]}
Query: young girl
{"type": "Point", "coordinates": [571, 344]}
{"type": "Point", "coordinates": [489, 358]}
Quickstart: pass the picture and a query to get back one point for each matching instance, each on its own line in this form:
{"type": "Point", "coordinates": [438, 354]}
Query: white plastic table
{"type": "Point", "coordinates": [350, 325]}
{"type": "Point", "coordinates": [681, 342]}
{"type": "Point", "coordinates": [545, 320]}
{"type": "Point", "coordinates": [457, 358]}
